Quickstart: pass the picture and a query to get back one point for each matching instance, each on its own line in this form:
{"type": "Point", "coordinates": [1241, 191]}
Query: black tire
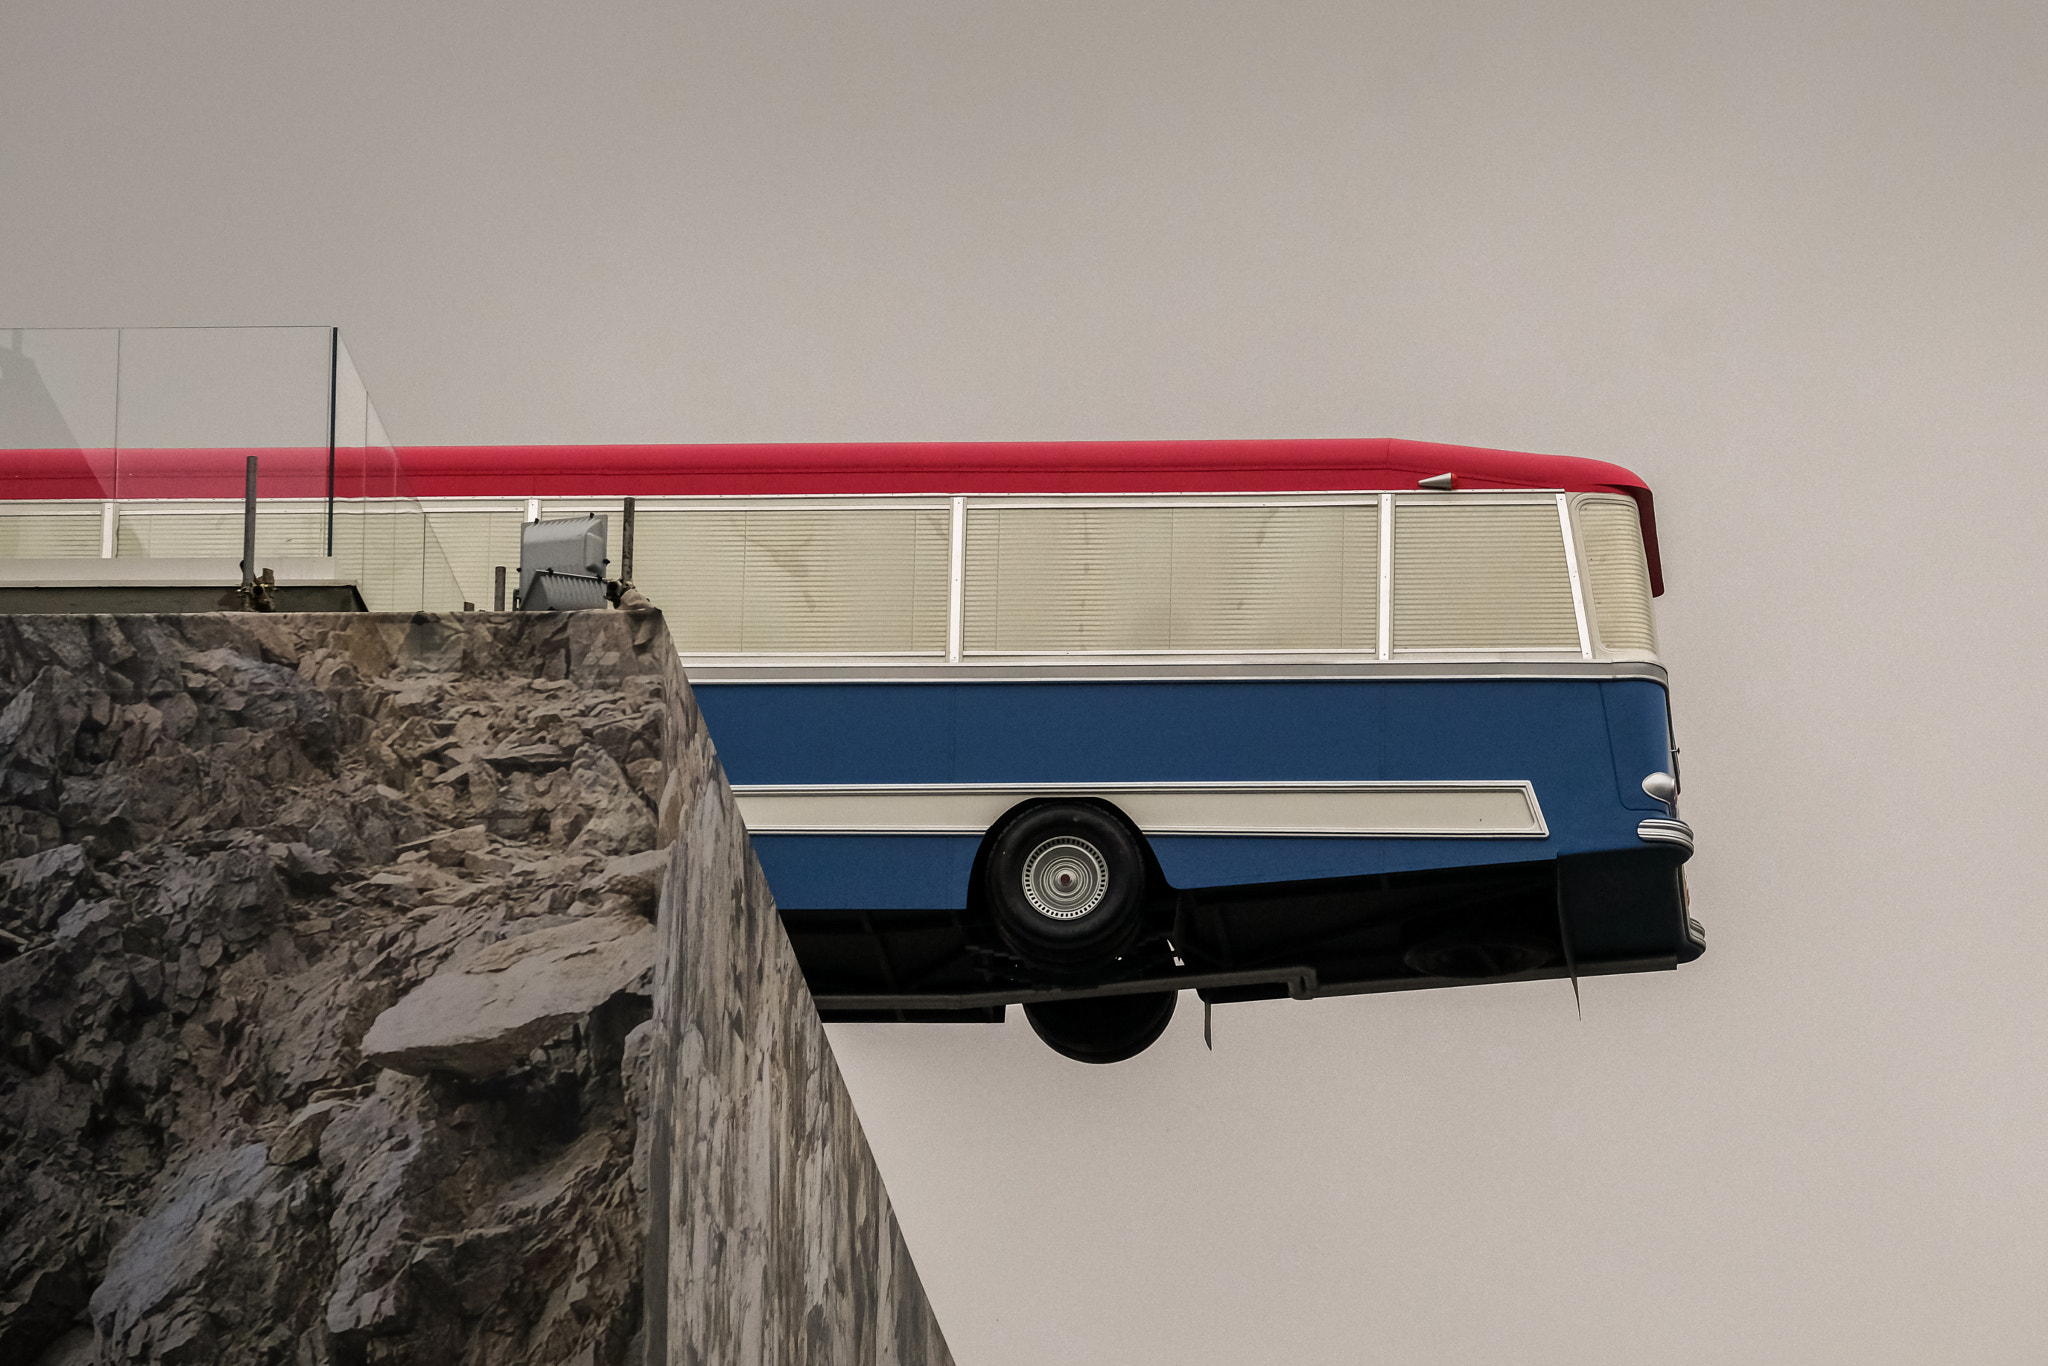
{"type": "Point", "coordinates": [1066, 886]}
{"type": "Point", "coordinates": [1101, 1029]}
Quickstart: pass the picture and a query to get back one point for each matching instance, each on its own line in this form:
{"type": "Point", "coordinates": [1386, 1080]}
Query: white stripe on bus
{"type": "Point", "coordinates": [1504, 809]}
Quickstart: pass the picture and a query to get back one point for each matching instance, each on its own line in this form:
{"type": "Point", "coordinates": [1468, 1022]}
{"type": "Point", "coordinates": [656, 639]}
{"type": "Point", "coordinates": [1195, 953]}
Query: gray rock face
{"type": "Point", "coordinates": [512, 997]}
{"type": "Point", "coordinates": [214, 1262]}
{"type": "Point", "coordinates": [226, 850]}
{"type": "Point", "coordinates": [325, 1023]}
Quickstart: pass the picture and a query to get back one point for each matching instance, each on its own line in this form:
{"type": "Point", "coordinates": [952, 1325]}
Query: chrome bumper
{"type": "Point", "coordinates": [1666, 832]}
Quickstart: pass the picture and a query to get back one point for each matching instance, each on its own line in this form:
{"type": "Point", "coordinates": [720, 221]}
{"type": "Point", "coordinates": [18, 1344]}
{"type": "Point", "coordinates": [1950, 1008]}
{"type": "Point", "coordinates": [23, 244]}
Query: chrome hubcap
{"type": "Point", "coordinates": [1065, 878]}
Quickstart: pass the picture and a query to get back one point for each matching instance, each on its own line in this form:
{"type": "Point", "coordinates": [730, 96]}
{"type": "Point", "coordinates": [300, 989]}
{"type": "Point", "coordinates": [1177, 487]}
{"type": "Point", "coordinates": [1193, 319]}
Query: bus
{"type": "Point", "coordinates": [1079, 727]}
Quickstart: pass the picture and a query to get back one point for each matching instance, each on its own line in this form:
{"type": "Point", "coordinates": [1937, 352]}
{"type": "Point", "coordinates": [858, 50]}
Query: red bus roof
{"type": "Point", "coordinates": [1365, 464]}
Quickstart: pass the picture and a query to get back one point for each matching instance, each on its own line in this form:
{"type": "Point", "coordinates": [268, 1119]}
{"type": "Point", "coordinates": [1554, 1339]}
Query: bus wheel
{"type": "Point", "coordinates": [1102, 1028]}
{"type": "Point", "coordinates": [1066, 883]}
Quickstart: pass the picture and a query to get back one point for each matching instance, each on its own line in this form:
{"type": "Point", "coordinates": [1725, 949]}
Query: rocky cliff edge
{"type": "Point", "coordinates": [325, 968]}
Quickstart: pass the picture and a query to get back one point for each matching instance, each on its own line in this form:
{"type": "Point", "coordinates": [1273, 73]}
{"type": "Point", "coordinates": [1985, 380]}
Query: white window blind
{"type": "Point", "coordinates": [476, 543]}
{"type": "Point", "coordinates": [1481, 575]}
{"type": "Point", "coordinates": [1617, 572]}
{"type": "Point", "coordinates": [1061, 579]}
{"type": "Point", "coordinates": [797, 580]}
{"type": "Point", "coordinates": [52, 535]}
{"type": "Point", "coordinates": [283, 531]}
{"type": "Point", "coordinates": [381, 544]}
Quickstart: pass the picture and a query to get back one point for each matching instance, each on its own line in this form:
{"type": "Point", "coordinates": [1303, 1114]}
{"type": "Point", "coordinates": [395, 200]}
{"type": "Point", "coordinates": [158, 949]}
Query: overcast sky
{"type": "Point", "coordinates": [1784, 259]}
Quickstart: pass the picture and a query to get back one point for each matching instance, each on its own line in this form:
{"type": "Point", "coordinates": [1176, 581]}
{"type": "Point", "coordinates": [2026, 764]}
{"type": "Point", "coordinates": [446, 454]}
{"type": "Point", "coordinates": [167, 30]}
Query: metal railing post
{"type": "Point", "coordinates": [333, 404]}
{"type": "Point", "coordinates": [258, 591]}
{"type": "Point", "coordinates": [626, 549]}
{"type": "Point", "coordinates": [249, 533]}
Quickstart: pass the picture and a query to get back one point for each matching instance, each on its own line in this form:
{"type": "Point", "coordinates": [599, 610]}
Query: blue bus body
{"type": "Point", "coordinates": [1601, 878]}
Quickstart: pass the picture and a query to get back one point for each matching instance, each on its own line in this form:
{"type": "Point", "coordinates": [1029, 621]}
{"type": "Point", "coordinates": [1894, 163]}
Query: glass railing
{"type": "Point", "coordinates": [131, 444]}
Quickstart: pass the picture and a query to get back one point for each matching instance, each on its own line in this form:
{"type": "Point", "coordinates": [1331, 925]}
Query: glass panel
{"type": "Point", "coordinates": [162, 422]}
{"type": "Point", "coordinates": [1061, 579]}
{"type": "Point", "coordinates": [196, 402]}
{"type": "Point", "coordinates": [391, 558]}
{"type": "Point", "coordinates": [348, 536]}
{"type": "Point", "coordinates": [1481, 575]}
{"type": "Point", "coordinates": [57, 393]}
{"type": "Point", "coordinates": [383, 540]}
{"type": "Point", "coordinates": [1617, 572]}
{"type": "Point", "coordinates": [476, 543]}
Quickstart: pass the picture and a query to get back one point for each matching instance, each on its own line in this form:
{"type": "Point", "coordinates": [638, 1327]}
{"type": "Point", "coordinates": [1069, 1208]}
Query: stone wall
{"type": "Point", "coordinates": [325, 981]}
{"type": "Point", "coordinates": [772, 1232]}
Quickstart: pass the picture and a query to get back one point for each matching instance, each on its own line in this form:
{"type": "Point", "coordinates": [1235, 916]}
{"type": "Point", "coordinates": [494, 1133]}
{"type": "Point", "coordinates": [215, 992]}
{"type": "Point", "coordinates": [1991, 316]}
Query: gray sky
{"type": "Point", "coordinates": [1784, 259]}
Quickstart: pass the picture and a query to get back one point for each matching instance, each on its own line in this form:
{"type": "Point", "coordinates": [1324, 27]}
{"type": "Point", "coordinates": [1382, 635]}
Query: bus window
{"type": "Point", "coordinates": [1136, 578]}
{"type": "Point", "coordinates": [1279, 578]}
{"type": "Point", "coordinates": [1481, 575]}
{"type": "Point", "coordinates": [1611, 540]}
{"type": "Point", "coordinates": [59, 531]}
{"type": "Point", "coordinates": [1053, 579]}
{"type": "Point", "coordinates": [799, 580]}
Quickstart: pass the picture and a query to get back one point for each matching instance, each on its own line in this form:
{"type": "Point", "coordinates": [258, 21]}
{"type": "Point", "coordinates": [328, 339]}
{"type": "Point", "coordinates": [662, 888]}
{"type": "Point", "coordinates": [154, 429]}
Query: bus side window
{"type": "Point", "coordinates": [1617, 572]}
{"type": "Point", "coordinates": [1481, 575]}
{"type": "Point", "coordinates": [1148, 578]}
{"type": "Point", "coordinates": [797, 580]}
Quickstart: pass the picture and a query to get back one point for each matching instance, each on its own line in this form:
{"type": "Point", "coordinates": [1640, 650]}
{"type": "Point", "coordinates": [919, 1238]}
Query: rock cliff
{"type": "Point", "coordinates": [326, 960]}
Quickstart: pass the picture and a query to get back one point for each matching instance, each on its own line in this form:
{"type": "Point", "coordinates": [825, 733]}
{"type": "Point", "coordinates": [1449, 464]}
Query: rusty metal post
{"type": "Point", "coordinates": [249, 535]}
{"type": "Point", "coordinates": [626, 549]}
